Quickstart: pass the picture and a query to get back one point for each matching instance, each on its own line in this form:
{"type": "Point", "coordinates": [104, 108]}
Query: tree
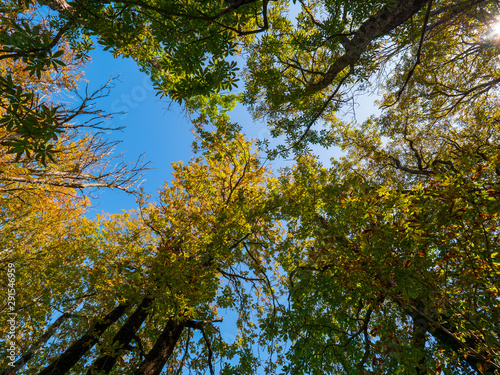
{"type": "Point", "coordinates": [28, 65]}
{"type": "Point", "coordinates": [392, 253]}
{"type": "Point", "coordinates": [391, 257]}
{"type": "Point", "coordinates": [41, 139]}
{"type": "Point", "coordinates": [132, 289]}
{"type": "Point", "coordinates": [295, 75]}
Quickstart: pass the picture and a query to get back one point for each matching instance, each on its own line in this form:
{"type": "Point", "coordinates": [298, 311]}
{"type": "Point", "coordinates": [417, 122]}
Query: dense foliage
{"type": "Point", "coordinates": [388, 260]}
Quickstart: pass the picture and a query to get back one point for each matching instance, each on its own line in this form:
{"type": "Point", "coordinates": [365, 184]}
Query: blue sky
{"type": "Point", "coordinates": [163, 135]}
{"type": "Point", "coordinates": [161, 131]}
{"type": "Point", "coordinates": [156, 127]}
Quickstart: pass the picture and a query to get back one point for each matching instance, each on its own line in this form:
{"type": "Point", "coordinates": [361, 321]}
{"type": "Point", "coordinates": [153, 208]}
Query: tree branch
{"type": "Point", "coordinates": [419, 52]}
{"type": "Point", "coordinates": [38, 344]}
{"type": "Point", "coordinates": [104, 364]}
{"type": "Point", "coordinates": [443, 333]}
{"type": "Point", "coordinates": [162, 349]}
{"type": "Point", "coordinates": [374, 27]}
{"type": "Point", "coordinates": [62, 364]}
{"type": "Point", "coordinates": [210, 352]}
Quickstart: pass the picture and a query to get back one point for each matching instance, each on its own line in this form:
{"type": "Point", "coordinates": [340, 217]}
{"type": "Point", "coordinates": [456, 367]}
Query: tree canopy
{"type": "Point", "coordinates": [385, 261]}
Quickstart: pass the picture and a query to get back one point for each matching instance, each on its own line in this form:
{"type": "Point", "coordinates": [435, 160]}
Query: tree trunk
{"type": "Point", "coordinates": [62, 364]}
{"type": "Point", "coordinates": [381, 23]}
{"type": "Point", "coordinates": [444, 335]}
{"type": "Point", "coordinates": [123, 337]}
{"type": "Point", "coordinates": [162, 350]}
{"type": "Point", "coordinates": [43, 339]}
{"type": "Point", "coordinates": [420, 328]}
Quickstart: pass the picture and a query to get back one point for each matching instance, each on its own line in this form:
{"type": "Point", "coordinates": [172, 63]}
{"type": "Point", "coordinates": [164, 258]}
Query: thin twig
{"type": "Point", "coordinates": [419, 52]}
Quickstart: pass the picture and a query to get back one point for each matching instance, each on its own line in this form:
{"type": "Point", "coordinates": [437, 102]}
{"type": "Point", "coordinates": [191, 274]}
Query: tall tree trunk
{"type": "Point", "coordinates": [43, 339]}
{"type": "Point", "coordinates": [440, 328]}
{"type": "Point", "coordinates": [62, 364]}
{"type": "Point", "coordinates": [123, 337]}
{"type": "Point", "coordinates": [420, 328]}
{"type": "Point", "coordinates": [162, 350]}
{"type": "Point", "coordinates": [376, 26]}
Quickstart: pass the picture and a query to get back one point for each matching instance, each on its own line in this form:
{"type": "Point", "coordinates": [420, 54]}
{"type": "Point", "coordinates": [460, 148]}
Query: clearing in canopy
{"type": "Point", "coordinates": [385, 260]}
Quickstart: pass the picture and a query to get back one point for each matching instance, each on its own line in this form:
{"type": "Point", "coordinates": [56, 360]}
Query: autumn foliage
{"type": "Point", "coordinates": [384, 261]}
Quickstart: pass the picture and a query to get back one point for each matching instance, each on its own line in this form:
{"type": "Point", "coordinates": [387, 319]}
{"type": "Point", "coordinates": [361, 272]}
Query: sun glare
{"type": "Point", "coordinates": [494, 30]}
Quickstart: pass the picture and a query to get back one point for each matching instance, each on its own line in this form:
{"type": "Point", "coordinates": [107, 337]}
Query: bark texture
{"type": "Point", "coordinates": [123, 337]}
{"type": "Point", "coordinates": [72, 355]}
{"type": "Point", "coordinates": [373, 28]}
{"type": "Point", "coordinates": [162, 350]}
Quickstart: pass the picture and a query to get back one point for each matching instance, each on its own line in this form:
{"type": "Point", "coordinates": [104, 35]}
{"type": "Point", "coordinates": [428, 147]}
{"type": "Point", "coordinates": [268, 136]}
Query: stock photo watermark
{"type": "Point", "coordinates": [11, 312]}
{"type": "Point", "coordinates": [133, 98]}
